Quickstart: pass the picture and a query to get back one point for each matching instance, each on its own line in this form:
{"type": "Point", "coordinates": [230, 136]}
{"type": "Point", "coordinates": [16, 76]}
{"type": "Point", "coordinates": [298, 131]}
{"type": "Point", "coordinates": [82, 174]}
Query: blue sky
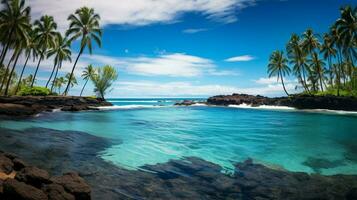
{"type": "Point", "coordinates": [191, 48]}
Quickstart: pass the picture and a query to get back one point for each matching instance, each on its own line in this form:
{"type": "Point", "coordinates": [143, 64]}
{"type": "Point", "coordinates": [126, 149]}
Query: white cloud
{"type": "Point", "coordinates": [193, 30]}
{"type": "Point", "coordinates": [243, 58]}
{"type": "Point", "coordinates": [264, 81]}
{"type": "Point", "coordinates": [141, 12]}
{"type": "Point", "coordinates": [273, 80]}
{"type": "Point", "coordinates": [172, 65]}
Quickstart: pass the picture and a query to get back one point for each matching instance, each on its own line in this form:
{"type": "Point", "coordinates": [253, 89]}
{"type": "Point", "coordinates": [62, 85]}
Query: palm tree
{"type": "Point", "coordinates": [84, 24]}
{"type": "Point", "coordinates": [278, 67]}
{"type": "Point", "coordinates": [62, 52]}
{"type": "Point", "coordinates": [71, 79]}
{"type": "Point", "coordinates": [58, 82]}
{"type": "Point", "coordinates": [317, 65]}
{"type": "Point", "coordinates": [298, 58]}
{"type": "Point", "coordinates": [337, 43]}
{"type": "Point", "coordinates": [329, 52]}
{"type": "Point", "coordinates": [87, 74]}
{"type": "Point", "coordinates": [347, 27]}
{"type": "Point", "coordinates": [310, 42]}
{"type": "Point", "coordinates": [104, 79]}
{"type": "Point", "coordinates": [31, 50]}
{"type": "Point", "coordinates": [46, 34]}
{"type": "Point", "coordinates": [15, 22]}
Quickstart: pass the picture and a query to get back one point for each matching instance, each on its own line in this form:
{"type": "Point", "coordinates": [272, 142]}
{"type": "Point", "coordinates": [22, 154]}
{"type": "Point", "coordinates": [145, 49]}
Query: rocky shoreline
{"type": "Point", "coordinates": [21, 181]}
{"type": "Point", "coordinates": [31, 105]}
{"type": "Point", "coordinates": [296, 101]}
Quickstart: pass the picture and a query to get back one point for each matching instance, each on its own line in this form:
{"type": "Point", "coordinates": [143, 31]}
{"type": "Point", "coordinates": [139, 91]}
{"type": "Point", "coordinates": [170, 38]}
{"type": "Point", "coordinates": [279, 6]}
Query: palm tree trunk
{"type": "Point", "coordinates": [11, 73]}
{"type": "Point", "coordinates": [74, 66]}
{"type": "Point", "coordinates": [330, 71]}
{"type": "Point", "coordinates": [6, 48]}
{"type": "Point", "coordinates": [282, 82]}
{"type": "Point", "coordinates": [84, 87]}
{"type": "Point", "coordinates": [22, 73]}
{"type": "Point", "coordinates": [38, 65]}
{"type": "Point", "coordinates": [339, 74]}
{"type": "Point", "coordinates": [53, 70]}
{"type": "Point", "coordinates": [304, 76]}
{"type": "Point", "coordinates": [322, 87]}
{"type": "Point", "coordinates": [54, 79]}
{"type": "Point", "coordinates": [6, 71]}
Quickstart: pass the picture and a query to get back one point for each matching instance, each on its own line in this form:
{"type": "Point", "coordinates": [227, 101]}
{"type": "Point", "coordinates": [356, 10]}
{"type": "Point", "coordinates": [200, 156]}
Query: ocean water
{"type": "Point", "coordinates": [152, 131]}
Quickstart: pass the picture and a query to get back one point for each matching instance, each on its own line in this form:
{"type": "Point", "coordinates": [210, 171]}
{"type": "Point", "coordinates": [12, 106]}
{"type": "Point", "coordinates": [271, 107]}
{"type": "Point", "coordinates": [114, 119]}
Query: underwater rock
{"type": "Point", "coordinates": [317, 164]}
{"type": "Point", "coordinates": [57, 192]}
{"type": "Point", "coordinates": [33, 176]}
{"type": "Point", "coordinates": [74, 184]}
{"type": "Point", "coordinates": [13, 189]}
{"type": "Point", "coordinates": [31, 183]}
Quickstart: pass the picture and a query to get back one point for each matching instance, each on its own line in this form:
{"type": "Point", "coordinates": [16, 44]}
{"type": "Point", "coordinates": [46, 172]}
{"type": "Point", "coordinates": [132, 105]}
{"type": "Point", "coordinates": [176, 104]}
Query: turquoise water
{"type": "Point", "coordinates": [150, 131]}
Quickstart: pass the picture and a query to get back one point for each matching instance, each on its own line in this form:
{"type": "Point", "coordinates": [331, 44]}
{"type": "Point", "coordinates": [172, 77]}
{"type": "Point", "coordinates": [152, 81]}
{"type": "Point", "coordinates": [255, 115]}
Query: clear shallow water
{"type": "Point", "coordinates": [152, 132]}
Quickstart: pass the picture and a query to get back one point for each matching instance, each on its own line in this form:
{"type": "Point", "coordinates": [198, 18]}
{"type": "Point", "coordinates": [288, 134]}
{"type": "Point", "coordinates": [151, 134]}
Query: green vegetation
{"type": "Point", "coordinates": [40, 41]}
{"type": "Point", "coordinates": [104, 79]}
{"type": "Point", "coordinates": [324, 67]}
{"type": "Point", "coordinates": [34, 91]}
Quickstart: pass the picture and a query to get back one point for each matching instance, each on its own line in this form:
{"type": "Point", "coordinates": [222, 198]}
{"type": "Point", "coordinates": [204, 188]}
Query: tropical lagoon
{"type": "Point", "coordinates": [194, 99]}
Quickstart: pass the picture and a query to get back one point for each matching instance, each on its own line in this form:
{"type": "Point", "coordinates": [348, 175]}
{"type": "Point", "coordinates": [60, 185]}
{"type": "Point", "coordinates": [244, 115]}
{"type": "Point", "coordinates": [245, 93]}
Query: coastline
{"type": "Point", "coordinates": [299, 102]}
{"type": "Point", "coordinates": [19, 106]}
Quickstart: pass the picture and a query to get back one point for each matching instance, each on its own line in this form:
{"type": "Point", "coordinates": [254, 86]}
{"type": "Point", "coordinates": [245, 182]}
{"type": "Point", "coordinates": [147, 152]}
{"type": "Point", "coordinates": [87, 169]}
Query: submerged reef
{"type": "Point", "coordinates": [60, 152]}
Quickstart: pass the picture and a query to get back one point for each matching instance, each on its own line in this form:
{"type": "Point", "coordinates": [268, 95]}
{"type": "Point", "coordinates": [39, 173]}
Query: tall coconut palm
{"type": "Point", "coordinates": [46, 35]}
{"type": "Point", "coordinates": [84, 24]}
{"type": "Point", "coordinates": [347, 27]}
{"type": "Point", "coordinates": [30, 51]}
{"type": "Point", "coordinates": [62, 52]}
{"type": "Point", "coordinates": [310, 41]}
{"type": "Point", "coordinates": [337, 43]}
{"type": "Point", "coordinates": [297, 57]}
{"type": "Point", "coordinates": [87, 74]}
{"type": "Point", "coordinates": [15, 18]}
{"type": "Point", "coordinates": [329, 52]}
{"type": "Point", "coordinates": [278, 67]}
{"type": "Point", "coordinates": [317, 65]}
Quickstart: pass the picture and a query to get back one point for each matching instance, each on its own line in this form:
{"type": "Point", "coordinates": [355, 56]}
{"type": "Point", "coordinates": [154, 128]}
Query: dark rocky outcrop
{"type": "Point", "coordinates": [185, 103]}
{"type": "Point", "coordinates": [31, 105]}
{"type": "Point", "coordinates": [74, 184]}
{"type": "Point", "coordinates": [296, 101]}
{"type": "Point", "coordinates": [23, 182]}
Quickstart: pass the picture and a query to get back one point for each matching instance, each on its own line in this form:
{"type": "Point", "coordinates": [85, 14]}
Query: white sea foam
{"type": "Point", "coordinates": [199, 104]}
{"type": "Point", "coordinates": [262, 107]}
{"type": "Point", "coordinates": [267, 107]}
{"type": "Point", "coordinates": [135, 101]}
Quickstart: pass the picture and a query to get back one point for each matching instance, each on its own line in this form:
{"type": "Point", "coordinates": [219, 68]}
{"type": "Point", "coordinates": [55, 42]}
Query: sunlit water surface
{"type": "Point", "coordinates": [154, 131]}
